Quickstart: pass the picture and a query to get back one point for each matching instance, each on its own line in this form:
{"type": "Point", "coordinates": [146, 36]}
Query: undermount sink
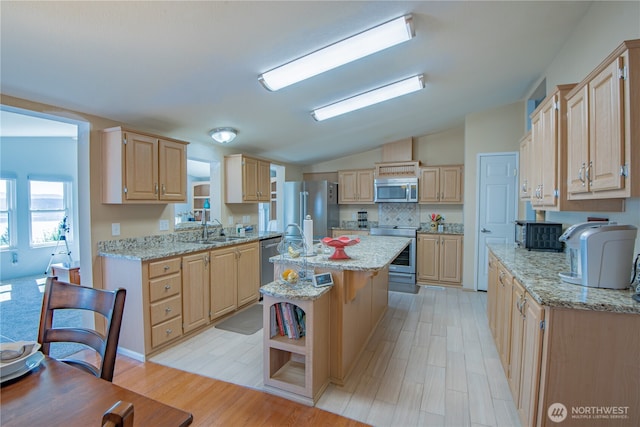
{"type": "Point", "coordinates": [221, 239]}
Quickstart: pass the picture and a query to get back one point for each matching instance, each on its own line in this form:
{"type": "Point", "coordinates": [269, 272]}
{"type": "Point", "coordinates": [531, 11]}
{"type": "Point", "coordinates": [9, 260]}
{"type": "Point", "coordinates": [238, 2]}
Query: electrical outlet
{"type": "Point", "coordinates": [230, 222]}
{"type": "Point", "coordinates": [246, 219]}
{"type": "Point", "coordinates": [164, 225]}
{"type": "Point", "coordinates": [115, 229]}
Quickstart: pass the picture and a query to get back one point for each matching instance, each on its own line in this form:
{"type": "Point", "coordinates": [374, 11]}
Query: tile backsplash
{"type": "Point", "coordinates": [407, 214]}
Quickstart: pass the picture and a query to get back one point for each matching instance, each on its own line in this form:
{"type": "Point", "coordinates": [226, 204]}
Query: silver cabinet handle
{"type": "Point", "coordinates": [169, 332]}
{"type": "Point", "coordinates": [167, 310]}
{"type": "Point", "coordinates": [484, 230]}
{"type": "Point", "coordinates": [167, 287]}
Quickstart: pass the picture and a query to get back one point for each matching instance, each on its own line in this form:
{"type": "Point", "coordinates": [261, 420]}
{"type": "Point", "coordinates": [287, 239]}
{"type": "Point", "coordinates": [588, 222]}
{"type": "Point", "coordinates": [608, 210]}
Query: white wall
{"type": "Point", "coordinates": [21, 157]}
{"type": "Point", "coordinates": [497, 130]}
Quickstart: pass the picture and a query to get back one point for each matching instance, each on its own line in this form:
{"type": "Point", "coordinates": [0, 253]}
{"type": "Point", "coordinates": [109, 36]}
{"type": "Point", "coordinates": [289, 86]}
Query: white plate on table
{"type": "Point", "coordinates": [13, 355]}
{"type": "Point", "coordinates": [27, 365]}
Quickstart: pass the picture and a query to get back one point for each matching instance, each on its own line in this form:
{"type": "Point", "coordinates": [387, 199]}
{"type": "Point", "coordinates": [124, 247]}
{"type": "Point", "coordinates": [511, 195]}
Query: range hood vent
{"type": "Point", "coordinates": [397, 160]}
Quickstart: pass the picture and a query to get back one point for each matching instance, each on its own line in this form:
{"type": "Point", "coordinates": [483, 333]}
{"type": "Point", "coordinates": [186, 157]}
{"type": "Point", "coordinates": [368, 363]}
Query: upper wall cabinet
{"type": "Point", "coordinates": [604, 128]}
{"type": "Point", "coordinates": [441, 184]}
{"type": "Point", "coordinates": [142, 168]}
{"type": "Point", "coordinates": [247, 180]}
{"type": "Point", "coordinates": [355, 186]}
{"type": "Point", "coordinates": [525, 160]}
{"type": "Point", "coordinates": [547, 159]}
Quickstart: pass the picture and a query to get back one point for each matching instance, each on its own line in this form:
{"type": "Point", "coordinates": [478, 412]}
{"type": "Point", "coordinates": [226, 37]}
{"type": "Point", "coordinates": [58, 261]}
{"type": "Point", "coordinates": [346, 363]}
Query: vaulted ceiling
{"type": "Point", "coordinates": [183, 68]}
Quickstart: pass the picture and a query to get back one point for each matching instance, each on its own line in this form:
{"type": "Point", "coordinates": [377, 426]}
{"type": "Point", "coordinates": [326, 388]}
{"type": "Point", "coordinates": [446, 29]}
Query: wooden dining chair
{"type": "Point", "coordinates": [119, 415]}
{"type": "Point", "coordinates": [60, 295]}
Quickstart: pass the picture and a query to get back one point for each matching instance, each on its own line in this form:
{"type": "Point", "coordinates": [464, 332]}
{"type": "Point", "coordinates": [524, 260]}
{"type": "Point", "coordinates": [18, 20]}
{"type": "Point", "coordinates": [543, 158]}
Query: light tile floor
{"type": "Point", "coordinates": [430, 362]}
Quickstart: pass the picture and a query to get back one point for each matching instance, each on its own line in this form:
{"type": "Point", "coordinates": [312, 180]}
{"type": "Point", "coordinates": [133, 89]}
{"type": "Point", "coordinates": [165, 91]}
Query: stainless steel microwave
{"type": "Point", "coordinates": [395, 190]}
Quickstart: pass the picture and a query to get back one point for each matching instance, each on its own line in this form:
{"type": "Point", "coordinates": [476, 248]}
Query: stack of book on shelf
{"type": "Point", "coordinates": [287, 320]}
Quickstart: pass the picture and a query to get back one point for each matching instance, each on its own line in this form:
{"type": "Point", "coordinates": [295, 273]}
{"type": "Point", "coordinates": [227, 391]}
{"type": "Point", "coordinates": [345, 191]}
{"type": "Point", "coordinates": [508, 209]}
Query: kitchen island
{"type": "Point", "coordinates": [563, 344]}
{"type": "Point", "coordinates": [357, 300]}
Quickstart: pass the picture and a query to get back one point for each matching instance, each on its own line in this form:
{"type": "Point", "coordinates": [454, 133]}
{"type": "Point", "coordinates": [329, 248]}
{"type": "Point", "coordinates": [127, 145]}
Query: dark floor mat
{"type": "Point", "coordinates": [246, 322]}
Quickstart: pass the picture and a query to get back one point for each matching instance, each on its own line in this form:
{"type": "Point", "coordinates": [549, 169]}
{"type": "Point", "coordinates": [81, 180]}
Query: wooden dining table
{"type": "Point", "coordinates": [56, 394]}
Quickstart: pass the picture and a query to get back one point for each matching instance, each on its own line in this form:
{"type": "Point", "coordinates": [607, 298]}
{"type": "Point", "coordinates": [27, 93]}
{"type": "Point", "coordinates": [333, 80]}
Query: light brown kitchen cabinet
{"type": "Point", "coordinates": [356, 186]}
{"type": "Point", "coordinates": [247, 179]}
{"type": "Point", "coordinates": [439, 259]}
{"type": "Point", "coordinates": [525, 167]}
{"type": "Point", "coordinates": [235, 277]}
{"type": "Point", "coordinates": [165, 303]}
{"type": "Point", "coordinates": [248, 273]}
{"type": "Point", "coordinates": [441, 184]}
{"type": "Point", "coordinates": [603, 136]}
{"type": "Point", "coordinates": [548, 152]}
{"type": "Point", "coordinates": [530, 362]}
{"type": "Point", "coordinates": [142, 168]}
{"type": "Point", "coordinates": [503, 315]}
{"type": "Point", "coordinates": [548, 130]}
{"type": "Point", "coordinates": [517, 330]}
{"type": "Point", "coordinates": [195, 291]}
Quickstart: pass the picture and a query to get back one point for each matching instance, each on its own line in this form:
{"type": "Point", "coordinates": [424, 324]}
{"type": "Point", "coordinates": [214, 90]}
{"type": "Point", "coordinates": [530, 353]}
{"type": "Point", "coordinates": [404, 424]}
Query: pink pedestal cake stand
{"type": "Point", "coordinates": [340, 243]}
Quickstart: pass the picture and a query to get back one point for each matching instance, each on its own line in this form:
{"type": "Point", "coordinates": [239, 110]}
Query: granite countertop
{"type": "Point", "coordinates": [176, 244]}
{"type": "Point", "coordinates": [302, 291]}
{"type": "Point", "coordinates": [452, 232]}
{"type": "Point", "coordinates": [538, 273]}
{"type": "Point", "coordinates": [372, 253]}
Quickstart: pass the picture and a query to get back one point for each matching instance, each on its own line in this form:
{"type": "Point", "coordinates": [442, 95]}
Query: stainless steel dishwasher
{"type": "Point", "coordinates": [268, 248]}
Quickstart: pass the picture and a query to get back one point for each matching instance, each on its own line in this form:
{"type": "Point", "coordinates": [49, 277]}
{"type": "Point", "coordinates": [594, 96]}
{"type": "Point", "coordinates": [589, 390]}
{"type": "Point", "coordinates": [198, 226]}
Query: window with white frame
{"type": "Point", "coordinates": [7, 213]}
{"type": "Point", "coordinates": [49, 203]}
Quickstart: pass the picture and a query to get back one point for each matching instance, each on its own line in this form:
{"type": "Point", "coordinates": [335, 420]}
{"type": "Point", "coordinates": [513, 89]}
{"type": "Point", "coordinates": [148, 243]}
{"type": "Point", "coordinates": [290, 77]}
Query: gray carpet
{"type": "Point", "coordinates": [20, 304]}
{"type": "Point", "coordinates": [246, 322]}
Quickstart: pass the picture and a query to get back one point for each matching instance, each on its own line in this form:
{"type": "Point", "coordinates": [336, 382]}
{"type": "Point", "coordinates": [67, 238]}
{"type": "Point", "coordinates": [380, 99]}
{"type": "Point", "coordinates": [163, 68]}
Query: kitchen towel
{"type": "Point", "coordinates": [308, 234]}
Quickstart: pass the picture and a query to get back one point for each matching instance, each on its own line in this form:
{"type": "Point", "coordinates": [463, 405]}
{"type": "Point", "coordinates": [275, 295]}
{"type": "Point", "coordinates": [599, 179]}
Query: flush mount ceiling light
{"type": "Point", "coordinates": [381, 94]}
{"type": "Point", "coordinates": [370, 41]}
{"type": "Point", "coordinates": [223, 135]}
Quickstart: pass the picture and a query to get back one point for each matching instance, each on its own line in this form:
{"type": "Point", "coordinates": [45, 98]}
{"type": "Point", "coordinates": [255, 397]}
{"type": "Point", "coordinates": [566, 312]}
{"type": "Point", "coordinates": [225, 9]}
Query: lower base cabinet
{"type": "Point", "coordinates": [439, 259]}
{"type": "Point", "coordinates": [170, 298]}
{"type": "Point", "coordinates": [579, 358]}
{"type": "Point", "coordinates": [235, 278]}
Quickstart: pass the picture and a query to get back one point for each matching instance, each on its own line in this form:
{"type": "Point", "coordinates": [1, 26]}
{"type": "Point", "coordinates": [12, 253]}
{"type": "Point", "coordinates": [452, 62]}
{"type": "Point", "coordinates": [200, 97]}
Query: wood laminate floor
{"type": "Point", "coordinates": [431, 362]}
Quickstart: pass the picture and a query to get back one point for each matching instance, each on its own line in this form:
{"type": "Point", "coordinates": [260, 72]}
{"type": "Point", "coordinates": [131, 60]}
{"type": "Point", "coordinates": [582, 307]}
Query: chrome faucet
{"type": "Point", "coordinates": [221, 227]}
{"type": "Point", "coordinates": [205, 230]}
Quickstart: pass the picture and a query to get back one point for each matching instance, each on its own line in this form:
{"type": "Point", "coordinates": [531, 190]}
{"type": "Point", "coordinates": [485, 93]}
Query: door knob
{"type": "Point", "coordinates": [484, 230]}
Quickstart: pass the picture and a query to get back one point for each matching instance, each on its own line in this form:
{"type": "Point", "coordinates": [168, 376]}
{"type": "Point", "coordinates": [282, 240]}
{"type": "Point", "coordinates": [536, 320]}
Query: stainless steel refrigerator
{"type": "Point", "coordinates": [319, 199]}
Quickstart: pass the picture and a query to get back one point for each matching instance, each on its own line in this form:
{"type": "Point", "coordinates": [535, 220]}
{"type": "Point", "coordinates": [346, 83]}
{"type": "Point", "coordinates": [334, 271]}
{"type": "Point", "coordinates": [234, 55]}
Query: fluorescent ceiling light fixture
{"type": "Point", "coordinates": [370, 41]}
{"type": "Point", "coordinates": [223, 135]}
{"type": "Point", "coordinates": [381, 94]}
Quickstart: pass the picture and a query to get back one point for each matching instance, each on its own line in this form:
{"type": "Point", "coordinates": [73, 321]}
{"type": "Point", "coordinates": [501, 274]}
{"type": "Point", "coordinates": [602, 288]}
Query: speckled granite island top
{"type": "Point", "coordinates": [299, 291]}
{"type": "Point", "coordinates": [372, 253]}
{"type": "Point", "coordinates": [538, 273]}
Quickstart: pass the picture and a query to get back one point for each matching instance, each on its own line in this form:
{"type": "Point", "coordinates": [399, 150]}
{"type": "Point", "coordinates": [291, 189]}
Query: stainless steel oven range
{"type": "Point", "coordinates": [402, 271]}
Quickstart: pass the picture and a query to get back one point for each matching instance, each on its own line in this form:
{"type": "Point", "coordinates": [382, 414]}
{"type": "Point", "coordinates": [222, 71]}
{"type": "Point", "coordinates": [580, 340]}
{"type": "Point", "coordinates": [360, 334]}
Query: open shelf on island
{"type": "Point", "coordinates": [297, 368]}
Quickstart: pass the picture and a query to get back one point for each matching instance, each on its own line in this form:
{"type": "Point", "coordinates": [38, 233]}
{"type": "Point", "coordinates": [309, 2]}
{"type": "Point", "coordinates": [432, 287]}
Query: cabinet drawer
{"type": "Point", "coordinates": [166, 310]}
{"type": "Point", "coordinates": [160, 268]}
{"type": "Point", "coordinates": [164, 287]}
{"type": "Point", "coordinates": [166, 331]}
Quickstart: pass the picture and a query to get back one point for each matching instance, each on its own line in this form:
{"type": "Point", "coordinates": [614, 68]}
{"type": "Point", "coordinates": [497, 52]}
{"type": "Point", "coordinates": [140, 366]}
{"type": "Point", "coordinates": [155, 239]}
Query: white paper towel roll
{"type": "Point", "coordinates": [307, 229]}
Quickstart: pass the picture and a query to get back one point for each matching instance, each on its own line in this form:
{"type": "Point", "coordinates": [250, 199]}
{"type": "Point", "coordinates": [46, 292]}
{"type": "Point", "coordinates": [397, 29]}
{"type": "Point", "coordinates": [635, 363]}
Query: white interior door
{"type": "Point", "coordinates": [497, 206]}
